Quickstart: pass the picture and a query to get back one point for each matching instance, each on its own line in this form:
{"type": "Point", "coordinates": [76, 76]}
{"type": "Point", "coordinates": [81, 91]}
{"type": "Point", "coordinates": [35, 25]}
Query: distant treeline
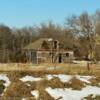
{"type": "Point", "coordinates": [78, 33]}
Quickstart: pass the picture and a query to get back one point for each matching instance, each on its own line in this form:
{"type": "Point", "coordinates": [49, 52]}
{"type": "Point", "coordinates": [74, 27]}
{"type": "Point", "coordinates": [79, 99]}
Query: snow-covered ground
{"type": "Point", "coordinates": [62, 93]}
{"type": "Point", "coordinates": [67, 78]}
{"type": "Point", "coordinates": [30, 78]}
{"type": "Point", "coordinates": [69, 94]}
{"type": "Point", "coordinates": [84, 78]}
{"type": "Point", "coordinates": [62, 77]}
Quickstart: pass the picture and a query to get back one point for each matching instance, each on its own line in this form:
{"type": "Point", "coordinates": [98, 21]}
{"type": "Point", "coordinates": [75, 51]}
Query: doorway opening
{"type": "Point", "coordinates": [60, 58]}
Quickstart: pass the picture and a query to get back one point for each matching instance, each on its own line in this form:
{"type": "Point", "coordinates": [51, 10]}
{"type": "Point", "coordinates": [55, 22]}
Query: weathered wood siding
{"type": "Point", "coordinates": [43, 56]}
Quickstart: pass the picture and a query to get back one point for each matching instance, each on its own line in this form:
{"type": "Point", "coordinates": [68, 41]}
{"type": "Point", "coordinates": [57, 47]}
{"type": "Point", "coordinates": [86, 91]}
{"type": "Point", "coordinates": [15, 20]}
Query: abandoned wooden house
{"type": "Point", "coordinates": [46, 50]}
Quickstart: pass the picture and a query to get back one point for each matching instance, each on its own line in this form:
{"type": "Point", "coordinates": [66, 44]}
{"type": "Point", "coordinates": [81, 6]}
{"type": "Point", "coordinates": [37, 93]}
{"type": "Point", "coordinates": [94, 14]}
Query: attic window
{"type": "Point", "coordinates": [45, 45]}
{"type": "Point", "coordinates": [55, 44]}
{"type": "Point", "coordinates": [67, 54]}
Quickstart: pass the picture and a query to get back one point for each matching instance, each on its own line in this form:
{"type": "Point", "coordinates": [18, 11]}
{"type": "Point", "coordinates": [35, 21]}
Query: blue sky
{"type": "Point", "coordinates": [20, 13]}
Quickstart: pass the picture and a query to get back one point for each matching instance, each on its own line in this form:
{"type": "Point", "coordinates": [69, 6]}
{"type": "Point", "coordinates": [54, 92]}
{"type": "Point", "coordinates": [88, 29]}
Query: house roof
{"type": "Point", "coordinates": [35, 45]}
{"type": "Point", "coordinates": [38, 43]}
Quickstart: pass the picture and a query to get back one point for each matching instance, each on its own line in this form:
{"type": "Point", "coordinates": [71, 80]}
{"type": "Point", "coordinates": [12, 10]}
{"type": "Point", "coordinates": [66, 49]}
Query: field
{"type": "Point", "coordinates": [49, 82]}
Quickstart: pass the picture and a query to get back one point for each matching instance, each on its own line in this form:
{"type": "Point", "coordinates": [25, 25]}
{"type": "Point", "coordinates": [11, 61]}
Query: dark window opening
{"type": "Point", "coordinates": [67, 54]}
{"type": "Point", "coordinates": [60, 58]}
{"type": "Point", "coordinates": [55, 44]}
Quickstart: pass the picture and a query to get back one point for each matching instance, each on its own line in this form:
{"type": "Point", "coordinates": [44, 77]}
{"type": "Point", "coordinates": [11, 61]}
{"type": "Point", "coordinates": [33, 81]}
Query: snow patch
{"type": "Point", "coordinates": [6, 79]}
{"type": "Point", "coordinates": [28, 84]}
{"type": "Point", "coordinates": [84, 78]}
{"type": "Point", "coordinates": [30, 78]}
{"type": "Point", "coordinates": [68, 94]}
{"type": "Point", "coordinates": [62, 77]}
{"type": "Point", "coordinates": [67, 78]}
{"type": "Point", "coordinates": [35, 93]}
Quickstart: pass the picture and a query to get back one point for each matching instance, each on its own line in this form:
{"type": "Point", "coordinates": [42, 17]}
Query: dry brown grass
{"type": "Point", "coordinates": [17, 90]}
{"type": "Point", "coordinates": [55, 83]}
{"type": "Point", "coordinates": [41, 86]}
{"type": "Point", "coordinates": [95, 81]}
{"type": "Point", "coordinates": [69, 68]}
{"type": "Point", "coordinates": [45, 96]}
{"type": "Point", "coordinates": [42, 68]}
{"type": "Point", "coordinates": [91, 97]}
{"type": "Point", "coordinates": [14, 76]}
{"type": "Point", "coordinates": [75, 84]}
